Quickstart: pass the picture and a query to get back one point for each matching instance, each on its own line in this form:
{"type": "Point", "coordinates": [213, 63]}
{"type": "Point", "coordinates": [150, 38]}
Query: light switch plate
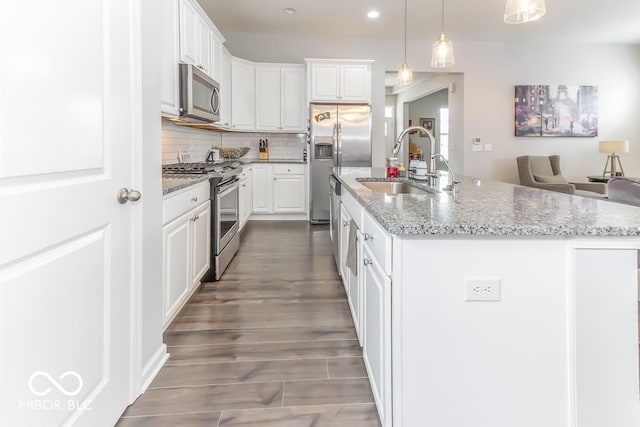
{"type": "Point", "coordinates": [482, 289]}
{"type": "Point", "coordinates": [476, 147]}
{"type": "Point", "coordinates": [488, 147]}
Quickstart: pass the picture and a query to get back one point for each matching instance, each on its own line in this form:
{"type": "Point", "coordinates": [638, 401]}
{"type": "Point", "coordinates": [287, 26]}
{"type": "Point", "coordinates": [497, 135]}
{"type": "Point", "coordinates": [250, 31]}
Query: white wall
{"type": "Point", "coordinates": [491, 70]}
{"type": "Point", "coordinates": [428, 107]}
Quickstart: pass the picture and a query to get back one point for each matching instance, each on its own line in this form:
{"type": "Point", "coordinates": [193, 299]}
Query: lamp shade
{"type": "Point", "coordinates": [523, 11]}
{"type": "Point", "coordinates": [442, 54]}
{"type": "Point", "coordinates": [614, 146]}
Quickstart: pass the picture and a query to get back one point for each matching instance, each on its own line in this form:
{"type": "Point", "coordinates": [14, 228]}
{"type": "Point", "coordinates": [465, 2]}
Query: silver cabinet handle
{"type": "Point", "coordinates": [244, 185]}
{"type": "Point", "coordinates": [344, 224]}
{"type": "Point", "coordinates": [125, 195]}
{"type": "Point", "coordinates": [368, 236]}
{"type": "Point", "coordinates": [367, 262]}
{"type": "Point", "coordinates": [195, 218]}
{"type": "Point", "coordinates": [194, 199]}
{"type": "Point", "coordinates": [275, 179]}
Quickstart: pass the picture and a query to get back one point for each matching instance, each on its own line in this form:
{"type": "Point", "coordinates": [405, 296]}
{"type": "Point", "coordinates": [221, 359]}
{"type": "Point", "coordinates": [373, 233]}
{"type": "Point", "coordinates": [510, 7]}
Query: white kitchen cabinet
{"type": "Point", "coordinates": [195, 37]}
{"type": "Point", "coordinates": [176, 240]}
{"type": "Point", "coordinates": [262, 189]}
{"type": "Point", "coordinates": [268, 97]}
{"type": "Point", "coordinates": [216, 57]}
{"type": "Point", "coordinates": [243, 90]}
{"type": "Point", "coordinates": [245, 195]}
{"type": "Point", "coordinates": [225, 88]}
{"type": "Point", "coordinates": [200, 242]}
{"type": "Point", "coordinates": [186, 245]}
{"type": "Point", "coordinates": [279, 189]}
{"type": "Point", "coordinates": [280, 98]}
{"type": "Point", "coordinates": [377, 333]}
{"type": "Point", "coordinates": [353, 283]}
{"type": "Point", "coordinates": [343, 236]}
{"type": "Point", "coordinates": [293, 109]}
{"type": "Point", "coordinates": [169, 56]}
{"type": "Point", "coordinates": [339, 81]}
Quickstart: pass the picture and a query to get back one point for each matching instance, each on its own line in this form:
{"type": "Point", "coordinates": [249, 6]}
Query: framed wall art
{"type": "Point", "coordinates": [556, 111]}
{"type": "Point", "coordinates": [429, 124]}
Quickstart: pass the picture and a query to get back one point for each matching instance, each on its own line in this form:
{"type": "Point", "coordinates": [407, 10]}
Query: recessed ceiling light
{"type": "Point", "coordinates": [373, 14]}
{"type": "Point", "coordinates": [289, 11]}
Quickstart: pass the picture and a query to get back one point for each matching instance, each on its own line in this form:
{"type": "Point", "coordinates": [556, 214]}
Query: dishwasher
{"type": "Point", "coordinates": [334, 217]}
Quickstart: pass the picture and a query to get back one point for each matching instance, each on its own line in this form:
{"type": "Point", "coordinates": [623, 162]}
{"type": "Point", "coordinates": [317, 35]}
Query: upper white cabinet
{"type": "Point", "coordinates": [280, 98]}
{"type": "Point", "coordinates": [339, 81]}
{"type": "Point", "coordinates": [195, 37]}
{"type": "Point", "coordinates": [225, 88]}
{"type": "Point", "coordinates": [243, 92]}
{"type": "Point", "coordinates": [169, 57]}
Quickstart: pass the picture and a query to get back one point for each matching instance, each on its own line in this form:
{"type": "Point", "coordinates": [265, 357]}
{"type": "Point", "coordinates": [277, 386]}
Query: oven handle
{"type": "Point", "coordinates": [223, 190]}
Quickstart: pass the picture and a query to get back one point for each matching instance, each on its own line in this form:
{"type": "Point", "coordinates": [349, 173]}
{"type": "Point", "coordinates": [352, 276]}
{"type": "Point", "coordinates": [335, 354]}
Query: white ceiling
{"type": "Point", "coordinates": [612, 21]}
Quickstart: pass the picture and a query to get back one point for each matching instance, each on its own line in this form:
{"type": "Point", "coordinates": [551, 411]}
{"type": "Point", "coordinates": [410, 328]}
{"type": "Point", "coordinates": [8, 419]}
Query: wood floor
{"type": "Point", "coordinates": [271, 344]}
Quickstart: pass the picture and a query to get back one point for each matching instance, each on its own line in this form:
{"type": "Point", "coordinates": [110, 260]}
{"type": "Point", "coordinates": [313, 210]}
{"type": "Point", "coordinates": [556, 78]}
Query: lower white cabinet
{"type": "Point", "coordinates": [279, 189]}
{"type": "Point", "coordinates": [186, 240]}
{"type": "Point", "coordinates": [245, 195]}
{"type": "Point", "coordinates": [377, 333]}
{"type": "Point", "coordinates": [353, 282]}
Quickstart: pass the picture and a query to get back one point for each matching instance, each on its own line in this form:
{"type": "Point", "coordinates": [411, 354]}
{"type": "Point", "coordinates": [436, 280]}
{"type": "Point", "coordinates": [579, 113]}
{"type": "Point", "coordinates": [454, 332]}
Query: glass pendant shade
{"type": "Point", "coordinates": [442, 55]}
{"type": "Point", "coordinates": [522, 11]}
{"type": "Point", "coordinates": [405, 75]}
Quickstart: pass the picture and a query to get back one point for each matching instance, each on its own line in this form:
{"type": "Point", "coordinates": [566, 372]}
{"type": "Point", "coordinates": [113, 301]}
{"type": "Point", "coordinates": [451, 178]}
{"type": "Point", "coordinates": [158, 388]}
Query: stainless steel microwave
{"type": "Point", "coordinates": [199, 95]}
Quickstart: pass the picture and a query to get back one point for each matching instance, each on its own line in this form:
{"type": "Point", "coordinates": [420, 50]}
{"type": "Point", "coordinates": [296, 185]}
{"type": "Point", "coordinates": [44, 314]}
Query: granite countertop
{"type": "Point", "coordinates": [490, 208]}
{"type": "Point", "coordinates": [292, 161]}
{"type": "Point", "coordinates": [175, 182]}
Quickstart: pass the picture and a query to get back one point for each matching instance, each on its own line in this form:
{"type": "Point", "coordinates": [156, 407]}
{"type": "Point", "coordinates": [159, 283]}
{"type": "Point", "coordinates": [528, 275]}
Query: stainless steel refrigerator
{"type": "Point", "coordinates": [340, 137]}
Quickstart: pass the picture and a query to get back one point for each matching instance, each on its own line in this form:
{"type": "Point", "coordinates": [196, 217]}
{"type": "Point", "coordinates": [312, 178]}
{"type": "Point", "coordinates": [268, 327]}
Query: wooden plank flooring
{"type": "Point", "coordinates": [271, 344]}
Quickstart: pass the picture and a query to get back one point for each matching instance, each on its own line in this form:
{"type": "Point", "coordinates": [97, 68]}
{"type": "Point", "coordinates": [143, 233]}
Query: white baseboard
{"type": "Point", "coordinates": [282, 217]}
{"type": "Point", "coordinates": [152, 367]}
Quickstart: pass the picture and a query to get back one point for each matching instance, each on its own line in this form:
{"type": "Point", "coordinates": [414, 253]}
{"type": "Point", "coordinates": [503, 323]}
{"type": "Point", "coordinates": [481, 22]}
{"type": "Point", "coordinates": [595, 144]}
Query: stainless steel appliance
{"type": "Point", "coordinates": [199, 95]}
{"type": "Point", "coordinates": [334, 228]}
{"type": "Point", "coordinates": [340, 137]}
{"type": "Point", "coordinates": [224, 193]}
{"type": "Point", "coordinates": [226, 220]}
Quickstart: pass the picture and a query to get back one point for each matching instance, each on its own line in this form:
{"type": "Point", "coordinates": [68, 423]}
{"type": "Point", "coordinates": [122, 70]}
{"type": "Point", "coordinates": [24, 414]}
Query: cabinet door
{"type": "Point", "coordinates": [203, 49]}
{"type": "Point", "coordinates": [345, 218]}
{"type": "Point", "coordinates": [248, 191]}
{"type": "Point", "coordinates": [243, 91]}
{"type": "Point", "coordinates": [292, 106]}
{"type": "Point", "coordinates": [324, 82]}
{"type": "Point", "coordinates": [225, 88]}
{"type": "Point", "coordinates": [262, 184]}
{"type": "Point", "coordinates": [188, 33]}
{"type": "Point", "coordinates": [377, 333]}
{"type": "Point", "coordinates": [176, 250]}
{"type": "Point", "coordinates": [288, 194]}
{"type": "Point", "coordinates": [355, 83]}
{"type": "Point", "coordinates": [169, 56]}
{"type": "Point", "coordinates": [200, 242]}
{"type": "Point", "coordinates": [216, 57]}
{"type": "Point", "coordinates": [268, 98]}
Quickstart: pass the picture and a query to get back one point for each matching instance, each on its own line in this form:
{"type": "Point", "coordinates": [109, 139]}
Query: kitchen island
{"type": "Point", "coordinates": [496, 306]}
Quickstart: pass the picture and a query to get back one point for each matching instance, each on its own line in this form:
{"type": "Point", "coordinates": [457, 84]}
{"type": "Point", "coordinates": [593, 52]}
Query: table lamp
{"type": "Point", "coordinates": [613, 147]}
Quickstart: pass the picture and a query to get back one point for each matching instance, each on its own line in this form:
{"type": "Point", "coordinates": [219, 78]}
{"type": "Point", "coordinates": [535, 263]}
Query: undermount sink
{"type": "Point", "coordinates": [393, 187]}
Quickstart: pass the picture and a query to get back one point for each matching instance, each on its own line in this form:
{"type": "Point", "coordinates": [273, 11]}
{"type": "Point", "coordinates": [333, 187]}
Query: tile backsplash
{"type": "Point", "coordinates": [196, 143]}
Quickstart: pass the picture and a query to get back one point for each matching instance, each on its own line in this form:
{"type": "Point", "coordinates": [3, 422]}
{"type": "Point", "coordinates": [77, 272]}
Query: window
{"type": "Point", "coordinates": [444, 132]}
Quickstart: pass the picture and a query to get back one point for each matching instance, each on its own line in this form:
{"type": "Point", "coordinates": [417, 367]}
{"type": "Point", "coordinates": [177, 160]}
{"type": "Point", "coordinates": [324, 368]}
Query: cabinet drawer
{"type": "Point", "coordinates": [352, 206]}
{"type": "Point", "coordinates": [246, 171]}
{"type": "Point", "coordinates": [378, 240]}
{"type": "Point", "coordinates": [288, 169]}
{"type": "Point", "coordinates": [183, 201]}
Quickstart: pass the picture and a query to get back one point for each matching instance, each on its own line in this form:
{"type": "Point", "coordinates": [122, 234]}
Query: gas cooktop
{"type": "Point", "coordinates": [200, 168]}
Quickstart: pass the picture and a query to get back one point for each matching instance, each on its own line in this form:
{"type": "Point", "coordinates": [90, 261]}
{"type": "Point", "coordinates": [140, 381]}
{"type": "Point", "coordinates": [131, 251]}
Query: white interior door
{"type": "Point", "coordinates": [67, 133]}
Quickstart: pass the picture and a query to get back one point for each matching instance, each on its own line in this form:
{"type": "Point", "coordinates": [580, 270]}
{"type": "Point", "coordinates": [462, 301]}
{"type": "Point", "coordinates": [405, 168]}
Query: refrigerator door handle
{"type": "Point", "coordinates": [339, 135]}
{"type": "Point", "coordinates": [335, 145]}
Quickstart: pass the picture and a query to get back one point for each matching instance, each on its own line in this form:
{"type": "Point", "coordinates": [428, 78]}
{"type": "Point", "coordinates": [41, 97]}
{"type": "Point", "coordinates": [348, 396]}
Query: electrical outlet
{"type": "Point", "coordinates": [482, 289]}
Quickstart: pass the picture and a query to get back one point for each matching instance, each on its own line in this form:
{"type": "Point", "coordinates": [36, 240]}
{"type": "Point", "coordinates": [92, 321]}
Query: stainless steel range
{"type": "Point", "coordinates": [225, 239]}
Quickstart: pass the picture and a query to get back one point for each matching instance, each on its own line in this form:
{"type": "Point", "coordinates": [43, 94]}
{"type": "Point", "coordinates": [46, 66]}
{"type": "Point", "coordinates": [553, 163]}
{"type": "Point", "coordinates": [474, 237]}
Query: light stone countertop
{"type": "Point", "coordinates": [490, 208]}
{"type": "Point", "coordinates": [175, 182]}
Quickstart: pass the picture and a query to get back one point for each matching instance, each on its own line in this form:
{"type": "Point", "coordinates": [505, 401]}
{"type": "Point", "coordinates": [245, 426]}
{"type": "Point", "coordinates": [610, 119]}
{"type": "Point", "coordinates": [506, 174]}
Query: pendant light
{"type": "Point", "coordinates": [405, 75]}
{"type": "Point", "coordinates": [523, 11]}
{"type": "Point", "coordinates": [442, 54]}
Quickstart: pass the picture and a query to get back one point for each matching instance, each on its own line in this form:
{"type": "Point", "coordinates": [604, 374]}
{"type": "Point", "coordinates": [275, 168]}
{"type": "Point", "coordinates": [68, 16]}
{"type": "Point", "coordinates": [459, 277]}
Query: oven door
{"type": "Point", "coordinates": [227, 215]}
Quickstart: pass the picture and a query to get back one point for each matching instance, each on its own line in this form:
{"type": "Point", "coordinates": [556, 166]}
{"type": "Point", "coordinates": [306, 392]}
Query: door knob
{"type": "Point", "coordinates": [125, 195]}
